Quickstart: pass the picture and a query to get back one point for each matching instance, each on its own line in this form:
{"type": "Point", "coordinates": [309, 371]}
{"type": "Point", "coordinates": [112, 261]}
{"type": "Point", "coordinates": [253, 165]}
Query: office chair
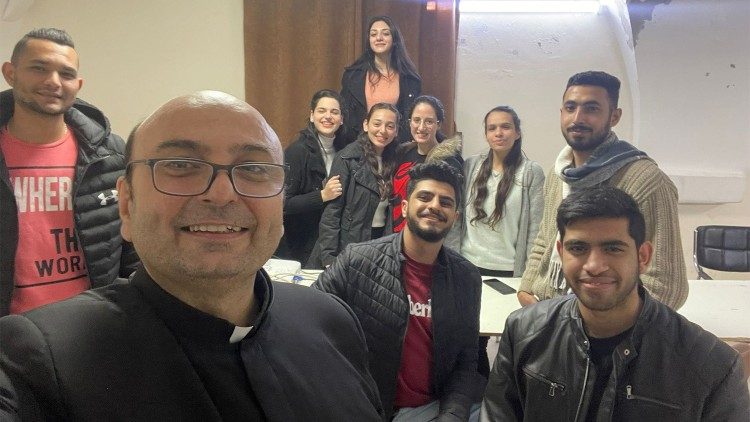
{"type": "Point", "coordinates": [723, 248]}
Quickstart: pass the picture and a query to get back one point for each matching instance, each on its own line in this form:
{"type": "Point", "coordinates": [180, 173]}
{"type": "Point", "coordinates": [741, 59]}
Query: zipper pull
{"type": "Point", "coordinates": [552, 388]}
{"type": "Point", "coordinates": [629, 392]}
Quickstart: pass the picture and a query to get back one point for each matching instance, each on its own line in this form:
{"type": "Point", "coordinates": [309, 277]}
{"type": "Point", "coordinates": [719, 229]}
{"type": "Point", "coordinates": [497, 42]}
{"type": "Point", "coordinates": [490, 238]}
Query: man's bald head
{"type": "Point", "coordinates": [198, 101]}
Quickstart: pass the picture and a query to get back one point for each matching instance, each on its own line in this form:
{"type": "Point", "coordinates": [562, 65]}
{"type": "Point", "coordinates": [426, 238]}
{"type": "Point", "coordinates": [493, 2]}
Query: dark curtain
{"type": "Point", "coordinates": [296, 47]}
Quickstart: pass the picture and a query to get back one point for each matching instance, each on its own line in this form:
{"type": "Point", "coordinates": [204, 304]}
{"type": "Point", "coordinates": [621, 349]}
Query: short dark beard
{"type": "Point", "coordinates": [426, 235]}
{"type": "Point", "coordinates": [31, 105]}
{"type": "Point", "coordinates": [591, 145]}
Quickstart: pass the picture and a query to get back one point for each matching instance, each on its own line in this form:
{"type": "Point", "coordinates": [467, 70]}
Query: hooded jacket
{"type": "Point", "coordinates": [100, 162]}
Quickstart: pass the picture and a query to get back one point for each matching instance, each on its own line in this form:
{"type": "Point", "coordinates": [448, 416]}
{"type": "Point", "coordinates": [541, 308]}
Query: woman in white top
{"type": "Point", "coordinates": [504, 204]}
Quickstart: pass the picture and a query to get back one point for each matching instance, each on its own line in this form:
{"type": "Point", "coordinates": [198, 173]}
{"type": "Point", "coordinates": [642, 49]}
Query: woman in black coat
{"type": "Point", "coordinates": [383, 65]}
{"type": "Point", "coordinates": [308, 186]}
{"type": "Point", "coordinates": [365, 168]}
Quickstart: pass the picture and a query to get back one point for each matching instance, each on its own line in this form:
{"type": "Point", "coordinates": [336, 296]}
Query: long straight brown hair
{"type": "Point", "coordinates": [384, 176]}
{"type": "Point", "coordinates": [511, 162]}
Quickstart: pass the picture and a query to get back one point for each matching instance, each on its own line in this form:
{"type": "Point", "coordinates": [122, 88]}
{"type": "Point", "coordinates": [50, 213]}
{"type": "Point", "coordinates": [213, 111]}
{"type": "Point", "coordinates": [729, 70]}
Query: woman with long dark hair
{"type": "Point", "coordinates": [365, 168]}
{"type": "Point", "coordinates": [383, 73]}
{"type": "Point", "coordinates": [308, 187]}
{"type": "Point", "coordinates": [428, 144]}
{"type": "Point", "coordinates": [504, 204]}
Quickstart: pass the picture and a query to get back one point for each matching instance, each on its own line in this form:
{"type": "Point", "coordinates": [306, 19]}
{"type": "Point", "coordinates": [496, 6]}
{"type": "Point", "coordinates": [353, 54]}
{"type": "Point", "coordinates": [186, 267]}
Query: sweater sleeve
{"type": "Point", "coordinates": [455, 236]}
{"type": "Point", "coordinates": [665, 277]}
{"type": "Point", "coordinates": [541, 248]}
{"type": "Point", "coordinates": [536, 199]}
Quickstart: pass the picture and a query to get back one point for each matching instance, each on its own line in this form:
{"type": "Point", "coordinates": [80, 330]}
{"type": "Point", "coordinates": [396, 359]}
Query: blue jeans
{"type": "Point", "coordinates": [429, 412]}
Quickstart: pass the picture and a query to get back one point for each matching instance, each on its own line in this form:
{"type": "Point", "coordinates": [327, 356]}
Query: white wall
{"type": "Point", "coordinates": [687, 121]}
{"type": "Point", "coordinates": [524, 60]}
{"type": "Point", "coordinates": [694, 69]}
{"type": "Point", "coordinates": [136, 54]}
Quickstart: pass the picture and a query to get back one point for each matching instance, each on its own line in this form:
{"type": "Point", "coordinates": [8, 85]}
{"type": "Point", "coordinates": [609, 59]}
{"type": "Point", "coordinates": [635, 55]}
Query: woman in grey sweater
{"type": "Point", "coordinates": [504, 199]}
{"type": "Point", "coordinates": [504, 204]}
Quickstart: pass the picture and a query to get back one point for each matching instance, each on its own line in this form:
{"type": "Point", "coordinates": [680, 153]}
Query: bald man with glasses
{"type": "Point", "coordinates": [200, 333]}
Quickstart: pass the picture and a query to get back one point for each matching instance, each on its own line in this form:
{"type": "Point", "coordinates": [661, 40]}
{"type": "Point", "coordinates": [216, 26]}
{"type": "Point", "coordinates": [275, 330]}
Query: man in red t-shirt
{"type": "Point", "coordinates": [418, 303]}
{"type": "Point", "coordinates": [59, 164]}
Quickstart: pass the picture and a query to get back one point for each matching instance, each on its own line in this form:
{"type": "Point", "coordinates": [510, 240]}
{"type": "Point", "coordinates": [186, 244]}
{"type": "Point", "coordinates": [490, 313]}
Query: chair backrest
{"type": "Point", "coordinates": [723, 248]}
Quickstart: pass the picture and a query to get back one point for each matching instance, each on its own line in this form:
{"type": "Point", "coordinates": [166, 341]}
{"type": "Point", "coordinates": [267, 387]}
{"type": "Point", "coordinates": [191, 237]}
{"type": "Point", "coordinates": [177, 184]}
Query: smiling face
{"type": "Point", "coordinates": [430, 210]}
{"type": "Point", "coordinates": [381, 39]}
{"type": "Point", "coordinates": [501, 132]}
{"type": "Point", "coordinates": [218, 234]}
{"type": "Point", "coordinates": [602, 263]}
{"type": "Point", "coordinates": [587, 117]}
{"type": "Point", "coordinates": [44, 77]}
{"type": "Point", "coordinates": [424, 124]}
{"type": "Point", "coordinates": [326, 116]}
{"type": "Point", "coordinates": [381, 128]}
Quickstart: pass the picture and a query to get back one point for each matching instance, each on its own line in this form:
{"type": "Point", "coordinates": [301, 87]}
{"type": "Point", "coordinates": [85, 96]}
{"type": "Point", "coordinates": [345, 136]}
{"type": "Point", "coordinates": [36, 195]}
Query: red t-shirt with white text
{"type": "Point", "coordinates": [413, 387]}
{"type": "Point", "coordinates": [49, 264]}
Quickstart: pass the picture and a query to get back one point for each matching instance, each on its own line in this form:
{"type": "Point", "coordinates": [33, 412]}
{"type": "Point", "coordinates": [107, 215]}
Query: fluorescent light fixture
{"type": "Point", "coordinates": [528, 6]}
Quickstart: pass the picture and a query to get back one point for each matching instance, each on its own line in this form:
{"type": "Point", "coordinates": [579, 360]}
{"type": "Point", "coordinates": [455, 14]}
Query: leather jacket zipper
{"type": "Point", "coordinates": [630, 396]}
{"type": "Point", "coordinates": [553, 386]}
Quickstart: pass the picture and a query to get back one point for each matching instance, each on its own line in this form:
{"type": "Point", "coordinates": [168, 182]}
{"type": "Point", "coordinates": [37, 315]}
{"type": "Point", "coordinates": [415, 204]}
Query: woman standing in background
{"type": "Point", "coordinates": [428, 145]}
{"type": "Point", "coordinates": [365, 168]}
{"type": "Point", "coordinates": [308, 187]}
{"type": "Point", "coordinates": [384, 73]}
{"type": "Point", "coordinates": [504, 204]}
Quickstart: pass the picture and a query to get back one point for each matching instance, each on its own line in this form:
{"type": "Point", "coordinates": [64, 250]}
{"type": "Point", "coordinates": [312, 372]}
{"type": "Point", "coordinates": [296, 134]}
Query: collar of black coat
{"type": "Point", "coordinates": [189, 323]}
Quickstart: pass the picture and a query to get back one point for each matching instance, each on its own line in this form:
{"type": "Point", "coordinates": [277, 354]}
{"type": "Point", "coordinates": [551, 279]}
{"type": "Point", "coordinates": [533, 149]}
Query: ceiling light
{"type": "Point", "coordinates": [528, 6]}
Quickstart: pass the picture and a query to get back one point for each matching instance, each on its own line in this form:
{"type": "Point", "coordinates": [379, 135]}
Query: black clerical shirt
{"type": "Point", "coordinates": [205, 340]}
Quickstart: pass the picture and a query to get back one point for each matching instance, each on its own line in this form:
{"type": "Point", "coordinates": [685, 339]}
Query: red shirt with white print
{"type": "Point", "coordinates": [413, 387]}
{"type": "Point", "coordinates": [49, 264]}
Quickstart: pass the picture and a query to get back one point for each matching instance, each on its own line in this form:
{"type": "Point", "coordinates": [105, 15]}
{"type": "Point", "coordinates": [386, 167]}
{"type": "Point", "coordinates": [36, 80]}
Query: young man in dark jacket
{"type": "Point", "coordinates": [418, 303]}
{"type": "Point", "coordinates": [59, 163]}
{"type": "Point", "coordinates": [611, 351]}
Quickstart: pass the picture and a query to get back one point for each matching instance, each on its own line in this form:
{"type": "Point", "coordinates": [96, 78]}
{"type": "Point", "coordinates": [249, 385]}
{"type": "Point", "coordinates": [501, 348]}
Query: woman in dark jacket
{"type": "Point", "coordinates": [428, 144]}
{"type": "Point", "coordinates": [383, 73]}
{"type": "Point", "coordinates": [365, 168]}
{"type": "Point", "coordinates": [308, 187]}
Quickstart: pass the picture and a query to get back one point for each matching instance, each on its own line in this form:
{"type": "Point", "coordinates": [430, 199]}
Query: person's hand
{"type": "Point", "coordinates": [331, 190]}
{"type": "Point", "coordinates": [526, 298]}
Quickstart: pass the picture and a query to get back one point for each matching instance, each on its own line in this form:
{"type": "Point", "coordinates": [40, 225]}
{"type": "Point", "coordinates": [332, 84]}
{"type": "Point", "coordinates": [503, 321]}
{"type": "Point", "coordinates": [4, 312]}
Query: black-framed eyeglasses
{"type": "Point", "coordinates": [191, 177]}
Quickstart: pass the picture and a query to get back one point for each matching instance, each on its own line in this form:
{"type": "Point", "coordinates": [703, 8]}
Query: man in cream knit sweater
{"type": "Point", "coordinates": [595, 156]}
